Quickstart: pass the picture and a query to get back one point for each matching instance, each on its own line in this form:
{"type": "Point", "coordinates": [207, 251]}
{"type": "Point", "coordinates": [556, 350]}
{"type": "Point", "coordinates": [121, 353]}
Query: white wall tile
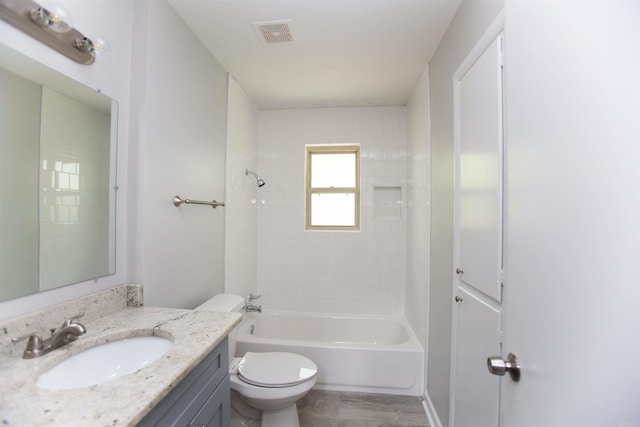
{"type": "Point", "coordinates": [337, 272]}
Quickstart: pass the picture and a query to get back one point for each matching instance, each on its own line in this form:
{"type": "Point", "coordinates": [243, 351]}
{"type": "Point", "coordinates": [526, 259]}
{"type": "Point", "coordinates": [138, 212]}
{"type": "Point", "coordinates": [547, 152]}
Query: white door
{"type": "Point", "coordinates": [477, 312]}
{"type": "Point", "coordinates": [572, 236]}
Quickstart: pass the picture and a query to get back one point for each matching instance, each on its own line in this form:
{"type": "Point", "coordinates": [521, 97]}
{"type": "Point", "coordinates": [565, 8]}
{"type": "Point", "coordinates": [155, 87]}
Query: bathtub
{"type": "Point", "coordinates": [353, 353]}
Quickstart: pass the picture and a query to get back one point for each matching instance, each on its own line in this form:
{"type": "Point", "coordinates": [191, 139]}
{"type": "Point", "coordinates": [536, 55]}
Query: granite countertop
{"type": "Point", "coordinates": [126, 400]}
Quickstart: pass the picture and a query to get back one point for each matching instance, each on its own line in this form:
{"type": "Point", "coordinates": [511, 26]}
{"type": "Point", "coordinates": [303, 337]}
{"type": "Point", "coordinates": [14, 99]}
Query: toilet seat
{"type": "Point", "coordinates": [275, 369]}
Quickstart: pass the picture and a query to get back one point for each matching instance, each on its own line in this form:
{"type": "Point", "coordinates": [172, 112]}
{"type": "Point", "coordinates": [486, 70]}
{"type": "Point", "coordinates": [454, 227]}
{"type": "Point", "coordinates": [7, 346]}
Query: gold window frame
{"type": "Point", "coordinates": [309, 191]}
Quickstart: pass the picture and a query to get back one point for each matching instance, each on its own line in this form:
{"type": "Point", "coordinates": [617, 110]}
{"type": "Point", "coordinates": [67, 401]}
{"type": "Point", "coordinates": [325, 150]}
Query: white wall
{"type": "Point", "coordinates": [418, 210]}
{"type": "Point", "coordinates": [111, 19]}
{"type": "Point", "coordinates": [241, 220]}
{"type": "Point", "coordinates": [470, 22]}
{"type": "Point", "coordinates": [179, 94]}
{"type": "Point", "coordinates": [340, 272]}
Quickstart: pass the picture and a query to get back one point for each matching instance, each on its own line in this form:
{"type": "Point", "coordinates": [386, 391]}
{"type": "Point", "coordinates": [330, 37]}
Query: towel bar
{"type": "Point", "coordinates": [177, 201]}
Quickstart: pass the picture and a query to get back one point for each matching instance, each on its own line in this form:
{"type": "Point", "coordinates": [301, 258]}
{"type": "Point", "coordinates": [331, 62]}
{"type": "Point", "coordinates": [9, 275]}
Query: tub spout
{"type": "Point", "coordinates": [252, 308]}
{"type": "Point", "coordinates": [249, 306]}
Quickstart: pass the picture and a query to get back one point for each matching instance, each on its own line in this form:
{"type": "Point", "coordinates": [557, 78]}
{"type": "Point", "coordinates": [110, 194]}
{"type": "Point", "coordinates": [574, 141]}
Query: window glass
{"type": "Point", "coordinates": [333, 170]}
{"type": "Point", "coordinates": [333, 209]}
{"type": "Point", "coordinates": [333, 187]}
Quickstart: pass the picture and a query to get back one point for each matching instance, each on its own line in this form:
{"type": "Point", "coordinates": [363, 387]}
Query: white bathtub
{"type": "Point", "coordinates": [369, 354]}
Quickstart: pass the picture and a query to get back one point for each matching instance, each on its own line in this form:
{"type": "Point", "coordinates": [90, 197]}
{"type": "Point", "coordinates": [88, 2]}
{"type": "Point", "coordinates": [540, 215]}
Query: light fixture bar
{"type": "Point", "coordinates": [18, 14]}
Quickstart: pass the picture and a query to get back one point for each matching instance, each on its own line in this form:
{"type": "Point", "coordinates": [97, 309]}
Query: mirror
{"type": "Point", "coordinates": [57, 179]}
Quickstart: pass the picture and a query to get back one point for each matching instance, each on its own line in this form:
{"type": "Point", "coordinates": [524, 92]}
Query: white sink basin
{"type": "Point", "coordinates": [104, 363]}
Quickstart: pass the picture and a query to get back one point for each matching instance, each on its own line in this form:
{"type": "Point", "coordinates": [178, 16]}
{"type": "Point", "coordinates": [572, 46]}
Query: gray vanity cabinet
{"type": "Point", "coordinates": [202, 398]}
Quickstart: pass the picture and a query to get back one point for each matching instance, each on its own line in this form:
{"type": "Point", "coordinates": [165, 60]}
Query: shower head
{"type": "Point", "coordinates": [259, 180]}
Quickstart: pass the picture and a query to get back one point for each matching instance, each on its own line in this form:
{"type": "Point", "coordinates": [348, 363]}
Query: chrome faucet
{"type": "Point", "coordinates": [67, 333]}
{"type": "Point", "coordinates": [249, 306]}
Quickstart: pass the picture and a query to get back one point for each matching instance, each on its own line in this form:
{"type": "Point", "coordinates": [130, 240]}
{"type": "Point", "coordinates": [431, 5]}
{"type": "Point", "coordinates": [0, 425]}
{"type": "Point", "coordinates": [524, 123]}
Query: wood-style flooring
{"type": "Point", "coordinates": [345, 409]}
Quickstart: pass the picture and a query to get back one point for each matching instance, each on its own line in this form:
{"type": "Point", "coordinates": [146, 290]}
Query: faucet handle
{"type": "Point", "coordinates": [253, 297]}
{"type": "Point", "coordinates": [34, 345]}
{"type": "Point", "coordinates": [31, 335]}
{"type": "Point", "coordinates": [70, 320]}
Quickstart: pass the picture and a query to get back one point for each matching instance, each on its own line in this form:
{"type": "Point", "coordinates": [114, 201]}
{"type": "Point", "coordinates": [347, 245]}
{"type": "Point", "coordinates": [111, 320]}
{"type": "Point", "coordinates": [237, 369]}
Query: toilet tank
{"type": "Point", "coordinates": [223, 302]}
{"type": "Point", "coordinates": [226, 303]}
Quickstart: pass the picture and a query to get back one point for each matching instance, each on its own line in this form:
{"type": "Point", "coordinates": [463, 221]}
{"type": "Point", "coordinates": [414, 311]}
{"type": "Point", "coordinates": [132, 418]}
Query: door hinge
{"type": "Point", "coordinates": [500, 337]}
{"type": "Point", "coordinates": [502, 277]}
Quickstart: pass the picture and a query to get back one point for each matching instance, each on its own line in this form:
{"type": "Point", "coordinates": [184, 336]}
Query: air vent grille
{"type": "Point", "coordinates": [274, 32]}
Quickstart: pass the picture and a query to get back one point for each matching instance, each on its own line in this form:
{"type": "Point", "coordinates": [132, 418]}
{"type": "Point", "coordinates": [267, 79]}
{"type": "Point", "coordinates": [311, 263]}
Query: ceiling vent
{"type": "Point", "coordinates": [274, 32]}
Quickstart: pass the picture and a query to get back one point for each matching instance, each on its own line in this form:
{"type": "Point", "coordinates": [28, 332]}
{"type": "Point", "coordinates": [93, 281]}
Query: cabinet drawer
{"type": "Point", "coordinates": [184, 402]}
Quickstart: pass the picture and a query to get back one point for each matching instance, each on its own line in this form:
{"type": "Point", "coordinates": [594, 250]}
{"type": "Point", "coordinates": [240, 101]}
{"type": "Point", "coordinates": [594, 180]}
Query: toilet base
{"type": "Point", "coordinates": [242, 414]}
{"type": "Point", "coordinates": [287, 417]}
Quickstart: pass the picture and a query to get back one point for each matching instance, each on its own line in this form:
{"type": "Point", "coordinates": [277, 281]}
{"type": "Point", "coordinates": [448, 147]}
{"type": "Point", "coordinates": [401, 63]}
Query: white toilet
{"type": "Point", "coordinates": [272, 382]}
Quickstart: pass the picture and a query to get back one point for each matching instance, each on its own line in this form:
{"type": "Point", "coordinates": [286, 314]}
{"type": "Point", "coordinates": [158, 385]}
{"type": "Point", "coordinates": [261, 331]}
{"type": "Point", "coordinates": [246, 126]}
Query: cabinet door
{"type": "Point", "coordinates": [216, 412]}
{"type": "Point", "coordinates": [188, 398]}
{"type": "Point", "coordinates": [480, 168]}
{"type": "Point", "coordinates": [476, 392]}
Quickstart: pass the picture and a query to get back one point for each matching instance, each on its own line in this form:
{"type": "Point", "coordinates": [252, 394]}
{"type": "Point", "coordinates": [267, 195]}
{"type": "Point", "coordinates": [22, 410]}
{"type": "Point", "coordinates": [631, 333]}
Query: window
{"type": "Point", "coordinates": [333, 187]}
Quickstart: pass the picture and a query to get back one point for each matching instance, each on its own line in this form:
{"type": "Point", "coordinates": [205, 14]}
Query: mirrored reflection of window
{"type": "Point", "coordinates": [74, 224]}
{"type": "Point", "coordinates": [333, 187]}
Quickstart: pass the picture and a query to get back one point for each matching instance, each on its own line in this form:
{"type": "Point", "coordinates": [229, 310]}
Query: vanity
{"type": "Point", "coordinates": [187, 386]}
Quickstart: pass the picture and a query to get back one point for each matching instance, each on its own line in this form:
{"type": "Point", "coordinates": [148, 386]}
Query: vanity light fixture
{"type": "Point", "coordinates": [52, 26]}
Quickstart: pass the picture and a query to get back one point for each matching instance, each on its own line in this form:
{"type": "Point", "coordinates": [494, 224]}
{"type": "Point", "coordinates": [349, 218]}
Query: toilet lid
{"type": "Point", "coordinates": [275, 369]}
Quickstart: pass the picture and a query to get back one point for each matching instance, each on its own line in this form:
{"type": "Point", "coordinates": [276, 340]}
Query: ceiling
{"type": "Point", "coordinates": [345, 52]}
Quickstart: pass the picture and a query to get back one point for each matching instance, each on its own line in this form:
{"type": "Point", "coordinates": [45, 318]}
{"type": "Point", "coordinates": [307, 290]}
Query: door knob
{"type": "Point", "coordinates": [458, 299]}
{"type": "Point", "coordinates": [459, 271]}
{"type": "Point", "coordinates": [498, 366]}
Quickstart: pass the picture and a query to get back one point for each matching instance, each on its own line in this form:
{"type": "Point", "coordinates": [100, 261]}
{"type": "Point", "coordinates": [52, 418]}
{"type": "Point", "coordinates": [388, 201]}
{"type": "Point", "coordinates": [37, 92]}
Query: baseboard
{"type": "Point", "coordinates": [432, 415]}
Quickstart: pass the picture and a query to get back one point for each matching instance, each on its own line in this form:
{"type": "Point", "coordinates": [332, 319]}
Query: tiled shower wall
{"type": "Point", "coordinates": [360, 272]}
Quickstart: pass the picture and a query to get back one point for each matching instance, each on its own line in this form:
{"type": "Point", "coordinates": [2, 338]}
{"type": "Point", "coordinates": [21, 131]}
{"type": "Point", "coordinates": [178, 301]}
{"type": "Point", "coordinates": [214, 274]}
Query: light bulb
{"type": "Point", "coordinates": [97, 46]}
{"type": "Point", "coordinates": [101, 46]}
{"type": "Point", "coordinates": [56, 18]}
